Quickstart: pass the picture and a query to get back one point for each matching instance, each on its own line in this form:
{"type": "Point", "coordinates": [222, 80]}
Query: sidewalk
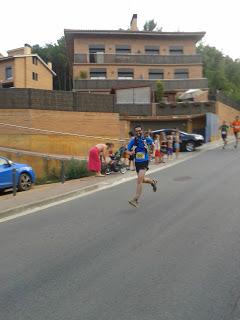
{"type": "Point", "coordinates": [46, 194]}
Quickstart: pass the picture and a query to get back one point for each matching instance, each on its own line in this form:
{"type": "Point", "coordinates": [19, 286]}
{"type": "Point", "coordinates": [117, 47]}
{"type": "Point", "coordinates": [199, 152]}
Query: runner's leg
{"type": "Point", "coordinates": [236, 139]}
{"type": "Point", "coordinates": [140, 180]}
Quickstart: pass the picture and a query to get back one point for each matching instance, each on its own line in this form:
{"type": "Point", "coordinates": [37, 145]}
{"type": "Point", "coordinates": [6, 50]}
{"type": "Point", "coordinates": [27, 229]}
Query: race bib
{"type": "Point", "coordinates": [140, 155]}
{"type": "Point", "coordinates": [224, 132]}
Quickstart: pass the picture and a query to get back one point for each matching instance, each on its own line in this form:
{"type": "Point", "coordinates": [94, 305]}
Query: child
{"type": "Point", "coordinates": [157, 151]}
{"type": "Point", "coordinates": [163, 143]}
{"type": "Point", "coordinates": [147, 135]}
{"type": "Point", "coordinates": [177, 143]}
{"type": "Point", "coordinates": [170, 146]}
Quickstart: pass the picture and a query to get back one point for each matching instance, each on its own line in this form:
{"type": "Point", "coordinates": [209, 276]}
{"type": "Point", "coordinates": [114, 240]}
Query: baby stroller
{"type": "Point", "coordinates": [115, 165]}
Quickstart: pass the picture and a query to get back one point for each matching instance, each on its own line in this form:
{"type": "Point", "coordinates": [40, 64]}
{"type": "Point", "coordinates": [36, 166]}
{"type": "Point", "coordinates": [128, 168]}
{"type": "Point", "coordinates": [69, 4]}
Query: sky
{"type": "Point", "coordinates": [41, 22]}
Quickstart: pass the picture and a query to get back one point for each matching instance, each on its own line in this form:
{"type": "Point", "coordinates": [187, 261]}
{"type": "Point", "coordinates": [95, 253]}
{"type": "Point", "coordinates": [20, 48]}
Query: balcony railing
{"type": "Point", "coordinates": [168, 84]}
{"type": "Point", "coordinates": [104, 58]}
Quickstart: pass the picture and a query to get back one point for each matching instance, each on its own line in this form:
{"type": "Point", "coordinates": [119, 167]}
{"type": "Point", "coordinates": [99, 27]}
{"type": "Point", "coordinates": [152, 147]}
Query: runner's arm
{"type": "Point", "coordinates": [130, 146]}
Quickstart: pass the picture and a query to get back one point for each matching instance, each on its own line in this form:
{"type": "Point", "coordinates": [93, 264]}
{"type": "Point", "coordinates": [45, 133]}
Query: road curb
{"type": "Point", "coordinates": [46, 201]}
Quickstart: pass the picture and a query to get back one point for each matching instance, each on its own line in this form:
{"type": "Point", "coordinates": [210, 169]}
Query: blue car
{"type": "Point", "coordinates": [25, 175]}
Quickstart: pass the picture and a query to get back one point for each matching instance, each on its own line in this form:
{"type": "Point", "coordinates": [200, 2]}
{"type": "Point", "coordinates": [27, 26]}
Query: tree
{"type": "Point", "coordinates": [57, 54]}
{"type": "Point", "coordinates": [222, 72]}
{"type": "Point", "coordinates": [159, 91]}
{"type": "Point", "coordinates": [149, 25]}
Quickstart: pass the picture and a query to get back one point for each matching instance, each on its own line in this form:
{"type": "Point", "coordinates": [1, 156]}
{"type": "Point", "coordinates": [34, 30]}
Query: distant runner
{"type": "Point", "coordinates": [236, 129]}
{"type": "Point", "coordinates": [224, 133]}
{"type": "Point", "coordinates": [139, 146]}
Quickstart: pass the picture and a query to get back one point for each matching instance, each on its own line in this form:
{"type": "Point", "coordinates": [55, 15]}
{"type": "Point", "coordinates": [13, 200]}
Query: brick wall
{"type": "Point", "coordinates": [226, 113]}
{"type": "Point", "coordinates": [140, 72]}
{"type": "Point", "coordinates": [105, 125]}
{"type": "Point", "coordinates": [81, 44]}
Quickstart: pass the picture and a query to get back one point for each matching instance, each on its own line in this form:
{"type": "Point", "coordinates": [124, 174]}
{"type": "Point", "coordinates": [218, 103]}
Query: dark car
{"type": "Point", "coordinates": [189, 141]}
{"type": "Point", "coordinates": [25, 175]}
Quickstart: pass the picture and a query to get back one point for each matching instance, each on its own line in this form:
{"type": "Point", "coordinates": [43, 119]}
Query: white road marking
{"type": "Point", "coordinates": [106, 186]}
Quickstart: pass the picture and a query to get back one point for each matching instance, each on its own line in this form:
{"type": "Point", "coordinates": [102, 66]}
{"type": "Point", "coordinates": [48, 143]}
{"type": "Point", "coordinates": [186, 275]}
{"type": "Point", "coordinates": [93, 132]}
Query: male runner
{"type": "Point", "coordinates": [224, 132]}
{"type": "Point", "coordinates": [139, 146]}
{"type": "Point", "coordinates": [236, 129]}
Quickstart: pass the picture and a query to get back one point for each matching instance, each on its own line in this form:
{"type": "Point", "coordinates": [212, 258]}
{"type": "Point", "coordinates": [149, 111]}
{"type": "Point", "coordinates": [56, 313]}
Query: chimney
{"type": "Point", "coordinates": [133, 24]}
{"type": "Point", "coordinates": [49, 65]}
{"type": "Point", "coordinates": [27, 49]}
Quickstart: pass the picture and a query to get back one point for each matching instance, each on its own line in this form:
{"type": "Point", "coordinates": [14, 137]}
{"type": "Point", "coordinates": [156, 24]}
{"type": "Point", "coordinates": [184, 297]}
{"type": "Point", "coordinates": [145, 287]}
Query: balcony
{"type": "Point", "coordinates": [144, 59]}
{"type": "Point", "coordinates": [169, 85]}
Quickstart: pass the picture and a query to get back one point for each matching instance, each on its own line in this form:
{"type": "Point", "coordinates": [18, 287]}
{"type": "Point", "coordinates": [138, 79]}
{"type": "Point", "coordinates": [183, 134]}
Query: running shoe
{"type": "Point", "coordinates": [133, 203]}
{"type": "Point", "coordinates": [154, 185]}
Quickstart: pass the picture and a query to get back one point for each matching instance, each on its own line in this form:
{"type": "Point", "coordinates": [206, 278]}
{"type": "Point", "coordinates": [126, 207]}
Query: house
{"type": "Point", "coordinates": [23, 69]}
{"type": "Point", "coordinates": [106, 59]}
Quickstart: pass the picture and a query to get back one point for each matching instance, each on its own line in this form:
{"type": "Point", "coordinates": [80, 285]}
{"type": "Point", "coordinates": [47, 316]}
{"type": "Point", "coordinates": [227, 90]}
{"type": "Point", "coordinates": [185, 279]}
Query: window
{"type": "Point", "coordinates": [3, 161]}
{"type": "Point", "coordinates": [35, 76]}
{"type": "Point", "coordinates": [8, 73]}
{"type": "Point", "coordinates": [35, 60]}
{"type": "Point", "coordinates": [176, 50]}
{"type": "Point", "coordinates": [123, 48]}
{"type": "Point", "coordinates": [125, 73]}
{"type": "Point", "coordinates": [156, 74]}
{"type": "Point", "coordinates": [181, 74]}
{"type": "Point", "coordinates": [99, 73]}
{"type": "Point", "coordinates": [151, 50]}
{"type": "Point", "coordinates": [94, 51]}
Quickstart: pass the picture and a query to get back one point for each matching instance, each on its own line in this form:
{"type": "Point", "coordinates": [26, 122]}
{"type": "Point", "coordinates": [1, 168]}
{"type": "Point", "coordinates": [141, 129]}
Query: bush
{"type": "Point", "coordinates": [48, 178]}
{"type": "Point", "coordinates": [75, 169]}
{"type": "Point", "coordinates": [159, 91]}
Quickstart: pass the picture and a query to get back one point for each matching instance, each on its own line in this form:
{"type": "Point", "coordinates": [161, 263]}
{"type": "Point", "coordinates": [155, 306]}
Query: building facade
{"type": "Point", "coordinates": [22, 69]}
{"type": "Point", "coordinates": [106, 59]}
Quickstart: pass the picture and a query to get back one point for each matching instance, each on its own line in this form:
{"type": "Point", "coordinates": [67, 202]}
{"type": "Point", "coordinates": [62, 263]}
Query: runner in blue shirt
{"type": "Point", "coordinates": [139, 147]}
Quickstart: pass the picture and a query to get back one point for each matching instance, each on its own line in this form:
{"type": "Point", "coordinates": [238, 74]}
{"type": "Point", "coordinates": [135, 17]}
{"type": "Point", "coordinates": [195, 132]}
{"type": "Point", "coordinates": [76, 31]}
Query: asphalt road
{"type": "Point", "coordinates": [177, 257]}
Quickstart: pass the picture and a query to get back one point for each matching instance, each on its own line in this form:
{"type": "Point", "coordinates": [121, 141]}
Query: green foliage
{"type": "Point", "coordinates": [76, 169]}
{"type": "Point", "coordinates": [83, 75]}
{"type": "Point", "coordinates": [57, 54]}
{"type": "Point", "coordinates": [222, 72]}
{"type": "Point", "coordinates": [51, 177]}
{"type": "Point", "coordinates": [149, 25]}
{"type": "Point", "coordinates": [159, 91]}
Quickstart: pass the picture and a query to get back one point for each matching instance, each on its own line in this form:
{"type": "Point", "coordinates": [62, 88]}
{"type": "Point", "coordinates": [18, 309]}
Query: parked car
{"type": "Point", "coordinates": [25, 175]}
{"type": "Point", "coordinates": [189, 141]}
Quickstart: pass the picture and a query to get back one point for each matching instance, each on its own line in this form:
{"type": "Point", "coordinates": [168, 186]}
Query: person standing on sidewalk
{"type": "Point", "coordinates": [139, 146]}
{"type": "Point", "coordinates": [177, 142]}
{"type": "Point", "coordinates": [224, 132]}
{"type": "Point", "coordinates": [236, 130]}
{"type": "Point", "coordinates": [94, 162]}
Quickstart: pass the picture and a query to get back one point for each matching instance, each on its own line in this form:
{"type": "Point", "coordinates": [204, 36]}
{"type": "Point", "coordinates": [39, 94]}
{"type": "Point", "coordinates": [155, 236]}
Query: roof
{"type": "Point", "coordinates": [28, 55]}
{"type": "Point", "coordinates": [6, 59]}
{"type": "Point", "coordinates": [155, 34]}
